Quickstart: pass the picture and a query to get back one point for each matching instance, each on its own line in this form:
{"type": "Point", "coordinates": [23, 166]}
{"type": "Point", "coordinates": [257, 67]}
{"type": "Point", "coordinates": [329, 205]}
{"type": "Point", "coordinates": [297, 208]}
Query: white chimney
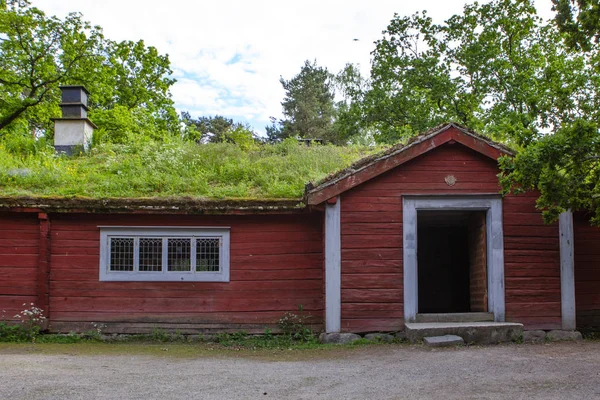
{"type": "Point", "coordinates": [73, 131]}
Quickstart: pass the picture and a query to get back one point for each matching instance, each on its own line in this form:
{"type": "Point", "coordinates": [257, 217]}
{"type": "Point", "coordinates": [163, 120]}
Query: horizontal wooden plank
{"type": "Point", "coordinates": [178, 318]}
{"type": "Point", "coordinates": [370, 207]}
{"type": "Point", "coordinates": [18, 243]}
{"type": "Point", "coordinates": [371, 281]}
{"type": "Point", "coordinates": [514, 229]}
{"type": "Point", "coordinates": [371, 241]}
{"type": "Point", "coordinates": [365, 217]}
{"type": "Point", "coordinates": [372, 296]}
{"type": "Point", "coordinates": [19, 261]}
{"type": "Point", "coordinates": [372, 254]}
{"type": "Point", "coordinates": [88, 288]}
{"type": "Point", "coordinates": [101, 294]}
{"type": "Point", "coordinates": [357, 228]}
{"type": "Point", "coordinates": [57, 274]}
{"type": "Point", "coordinates": [208, 304]}
{"type": "Point", "coordinates": [372, 314]}
{"type": "Point", "coordinates": [372, 325]}
{"type": "Point", "coordinates": [372, 307]}
{"type": "Point", "coordinates": [15, 234]}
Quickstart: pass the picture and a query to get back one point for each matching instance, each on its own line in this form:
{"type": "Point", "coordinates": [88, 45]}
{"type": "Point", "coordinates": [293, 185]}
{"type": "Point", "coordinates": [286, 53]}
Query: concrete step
{"type": "Point", "coordinates": [443, 341]}
{"type": "Point", "coordinates": [456, 317]}
{"type": "Point", "coordinates": [471, 332]}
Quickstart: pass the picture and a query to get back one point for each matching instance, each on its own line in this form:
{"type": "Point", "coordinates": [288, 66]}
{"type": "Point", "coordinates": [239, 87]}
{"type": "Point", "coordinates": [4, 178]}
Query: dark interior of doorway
{"type": "Point", "coordinates": [451, 259]}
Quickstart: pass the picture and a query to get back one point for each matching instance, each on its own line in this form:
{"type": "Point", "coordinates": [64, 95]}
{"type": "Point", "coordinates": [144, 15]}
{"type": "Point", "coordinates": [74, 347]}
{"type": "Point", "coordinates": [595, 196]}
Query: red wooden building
{"type": "Point", "coordinates": [420, 229]}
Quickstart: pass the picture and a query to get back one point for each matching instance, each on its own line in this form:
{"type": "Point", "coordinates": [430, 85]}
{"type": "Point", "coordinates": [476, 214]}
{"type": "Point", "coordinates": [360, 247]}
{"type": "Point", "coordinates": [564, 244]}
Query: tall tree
{"type": "Point", "coordinates": [217, 129]}
{"type": "Point", "coordinates": [308, 107]}
{"type": "Point", "coordinates": [39, 53]}
{"type": "Point", "coordinates": [495, 68]}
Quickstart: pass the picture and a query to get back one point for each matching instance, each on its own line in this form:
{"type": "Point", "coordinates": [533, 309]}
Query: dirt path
{"type": "Point", "coordinates": [555, 371]}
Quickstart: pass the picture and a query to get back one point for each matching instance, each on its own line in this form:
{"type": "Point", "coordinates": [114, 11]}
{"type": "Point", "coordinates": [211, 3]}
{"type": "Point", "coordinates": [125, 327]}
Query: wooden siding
{"type": "Point", "coordinates": [531, 265]}
{"type": "Point", "coordinates": [587, 273]}
{"type": "Point", "coordinates": [478, 262]}
{"type": "Point", "coordinates": [19, 251]}
{"type": "Point", "coordinates": [276, 266]}
{"type": "Point", "coordinates": [372, 280]}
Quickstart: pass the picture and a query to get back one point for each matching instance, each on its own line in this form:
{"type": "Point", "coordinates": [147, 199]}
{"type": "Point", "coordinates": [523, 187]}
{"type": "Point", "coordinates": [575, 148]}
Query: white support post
{"type": "Point", "coordinates": [333, 267]}
{"type": "Point", "coordinates": [495, 254]}
{"type": "Point", "coordinates": [411, 280]}
{"type": "Point", "coordinates": [567, 271]}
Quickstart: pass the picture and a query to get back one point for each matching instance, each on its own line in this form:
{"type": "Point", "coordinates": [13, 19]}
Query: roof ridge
{"type": "Point", "coordinates": [399, 148]}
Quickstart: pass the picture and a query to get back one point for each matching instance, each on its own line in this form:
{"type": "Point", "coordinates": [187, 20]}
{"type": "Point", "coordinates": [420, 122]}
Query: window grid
{"type": "Point", "coordinates": [150, 254]}
{"type": "Point", "coordinates": [121, 254]}
{"type": "Point", "coordinates": [199, 254]}
{"type": "Point", "coordinates": [179, 254]}
{"type": "Point", "coordinates": [208, 254]}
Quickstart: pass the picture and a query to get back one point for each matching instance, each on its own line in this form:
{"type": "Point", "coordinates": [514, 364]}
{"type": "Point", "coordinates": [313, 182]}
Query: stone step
{"type": "Point", "coordinates": [456, 317]}
{"type": "Point", "coordinates": [443, 341]}
{"type": "Point", "coordinates": [471, 332]}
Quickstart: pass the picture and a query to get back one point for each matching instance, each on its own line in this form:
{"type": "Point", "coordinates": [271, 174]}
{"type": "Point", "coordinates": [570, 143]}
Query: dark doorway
{"type": "Point", "coordinates": [451, 261]}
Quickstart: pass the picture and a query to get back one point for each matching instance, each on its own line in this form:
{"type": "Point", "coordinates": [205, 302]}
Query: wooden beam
{"type": "Point", "coordinates": [567, 271]}
{"type": "Point", "coordinates": [333, 267]}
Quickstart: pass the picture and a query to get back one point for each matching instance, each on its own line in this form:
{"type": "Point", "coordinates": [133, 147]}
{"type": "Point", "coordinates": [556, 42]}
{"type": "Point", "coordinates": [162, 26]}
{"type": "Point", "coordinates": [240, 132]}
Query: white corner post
{"type": "Point", "coordinates": [333, 267]}
{"type": "Point", "coordinates": [409, 242]}
{"type": "Point", "coordinates": [492, 205]}
{"type": "Point", "coordinates": [495, 257]}
{"type": "Point", "coordinates": [567, 271]}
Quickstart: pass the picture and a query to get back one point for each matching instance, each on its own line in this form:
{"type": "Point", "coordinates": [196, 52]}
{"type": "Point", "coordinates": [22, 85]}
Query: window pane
{"type": "Point", "coordinates": [121, 254]}
{"type": "Point", "coordinates": [180, 254]}
{"type": "Point", "coordinates": [150, 255]}
{"type": "Point", "coordinates": [207, 254]}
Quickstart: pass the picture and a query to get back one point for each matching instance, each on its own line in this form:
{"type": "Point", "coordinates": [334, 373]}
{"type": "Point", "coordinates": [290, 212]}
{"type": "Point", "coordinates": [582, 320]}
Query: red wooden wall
{"type": "Point", "coordinates": [276, 265]}
{"type": "Point", "coordinates": [372, 296]}
{"type": "Point", "coordinates": [19, 252]}
{"type": "Point", "coordinates": [587, 273]}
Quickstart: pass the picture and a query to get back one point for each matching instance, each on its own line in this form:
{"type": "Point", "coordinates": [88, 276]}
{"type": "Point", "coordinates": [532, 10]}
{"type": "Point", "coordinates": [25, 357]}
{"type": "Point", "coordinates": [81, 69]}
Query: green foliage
{"type": "Point", "coordinates": [564, 167]}
{"type": "Point", "coordinates": [580, 21]}
{"type": "Point", "coordinates": [171, 168]}
{"type": "Point", "coordinates": [14, 333]}
{"type": "Point", "coordinates": [159, 335]}
{"type": "Point", "coordinates": [495, 68]}
{"type": "Point", "coordinates": [297, 325]}
{"type": "Point", "coordinates": [308, 107]}
{"type": "Point", "coordinates": [218, 129]}
{"type": "Point", "coordinates": [38, 53]}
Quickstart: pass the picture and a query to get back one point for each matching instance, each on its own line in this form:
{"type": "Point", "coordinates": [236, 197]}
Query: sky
{"type": "Point", "coordinates": [228, 55]}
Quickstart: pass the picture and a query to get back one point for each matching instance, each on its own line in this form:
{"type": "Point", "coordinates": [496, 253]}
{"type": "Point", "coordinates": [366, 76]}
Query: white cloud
{"type": "Point", "coordinates": [268, 39]}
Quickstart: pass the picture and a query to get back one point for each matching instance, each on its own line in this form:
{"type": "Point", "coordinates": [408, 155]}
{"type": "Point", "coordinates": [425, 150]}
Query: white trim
{"type": "Point", "coordinates": [567, 271]}
{"type": "Point", "coordinates": [492, 205]}
{"type": "Point", "coordinates": [333, 268]}
{"type": "Point", "coordinates": [164, 276]}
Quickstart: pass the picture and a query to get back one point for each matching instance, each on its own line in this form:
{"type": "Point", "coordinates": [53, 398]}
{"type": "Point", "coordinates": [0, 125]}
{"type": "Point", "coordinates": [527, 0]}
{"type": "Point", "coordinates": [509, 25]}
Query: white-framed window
{"type": "Point", "coordinates": [159, 254]}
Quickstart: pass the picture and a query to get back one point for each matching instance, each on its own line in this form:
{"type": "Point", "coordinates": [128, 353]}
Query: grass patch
{"type": "Point", "coordinates": [173, 168]}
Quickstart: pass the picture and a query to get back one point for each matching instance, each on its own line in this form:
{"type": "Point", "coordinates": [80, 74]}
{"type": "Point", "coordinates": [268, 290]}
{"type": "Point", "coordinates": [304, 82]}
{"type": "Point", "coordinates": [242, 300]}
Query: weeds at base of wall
{"type": "Point", "coordinates": [589, 334]}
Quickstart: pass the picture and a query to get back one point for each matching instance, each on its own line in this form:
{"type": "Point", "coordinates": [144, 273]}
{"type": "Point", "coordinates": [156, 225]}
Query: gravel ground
{"type": "Point", "coordinates": [554, 371]}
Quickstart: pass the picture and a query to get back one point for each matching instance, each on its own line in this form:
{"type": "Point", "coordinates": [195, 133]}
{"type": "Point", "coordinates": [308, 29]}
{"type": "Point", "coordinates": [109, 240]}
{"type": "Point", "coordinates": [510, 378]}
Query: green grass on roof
{"type": "Point", "coordinates": [153, 169]}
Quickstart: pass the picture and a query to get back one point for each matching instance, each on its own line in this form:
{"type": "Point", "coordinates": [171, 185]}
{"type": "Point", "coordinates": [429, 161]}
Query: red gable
{"type": "Point", "coordinates": [373, 166]}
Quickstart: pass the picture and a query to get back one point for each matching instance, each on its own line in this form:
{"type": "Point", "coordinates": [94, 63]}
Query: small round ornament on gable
{"type": "Point", "coordinates": [450, 180]}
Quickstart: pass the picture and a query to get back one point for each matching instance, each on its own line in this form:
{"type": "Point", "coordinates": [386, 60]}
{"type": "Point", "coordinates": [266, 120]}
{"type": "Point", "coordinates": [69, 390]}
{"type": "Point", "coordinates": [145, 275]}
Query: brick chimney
{"type": "Point", "coordinates": [73, 131]}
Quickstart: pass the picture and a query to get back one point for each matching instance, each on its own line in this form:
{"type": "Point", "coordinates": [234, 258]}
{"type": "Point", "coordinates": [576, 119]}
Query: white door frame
{"type": "Point", "coordinates": [492, 205]}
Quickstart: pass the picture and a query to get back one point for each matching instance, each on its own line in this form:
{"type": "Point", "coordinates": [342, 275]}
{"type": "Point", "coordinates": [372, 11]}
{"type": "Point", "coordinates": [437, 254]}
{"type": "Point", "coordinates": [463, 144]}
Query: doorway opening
{"type": "Point", "coordinates": [452, 261]}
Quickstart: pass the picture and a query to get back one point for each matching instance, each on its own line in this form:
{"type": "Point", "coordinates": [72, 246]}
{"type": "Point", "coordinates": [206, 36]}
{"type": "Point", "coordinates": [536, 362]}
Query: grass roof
{"type": "Point", "coordinates": [174, 169]}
